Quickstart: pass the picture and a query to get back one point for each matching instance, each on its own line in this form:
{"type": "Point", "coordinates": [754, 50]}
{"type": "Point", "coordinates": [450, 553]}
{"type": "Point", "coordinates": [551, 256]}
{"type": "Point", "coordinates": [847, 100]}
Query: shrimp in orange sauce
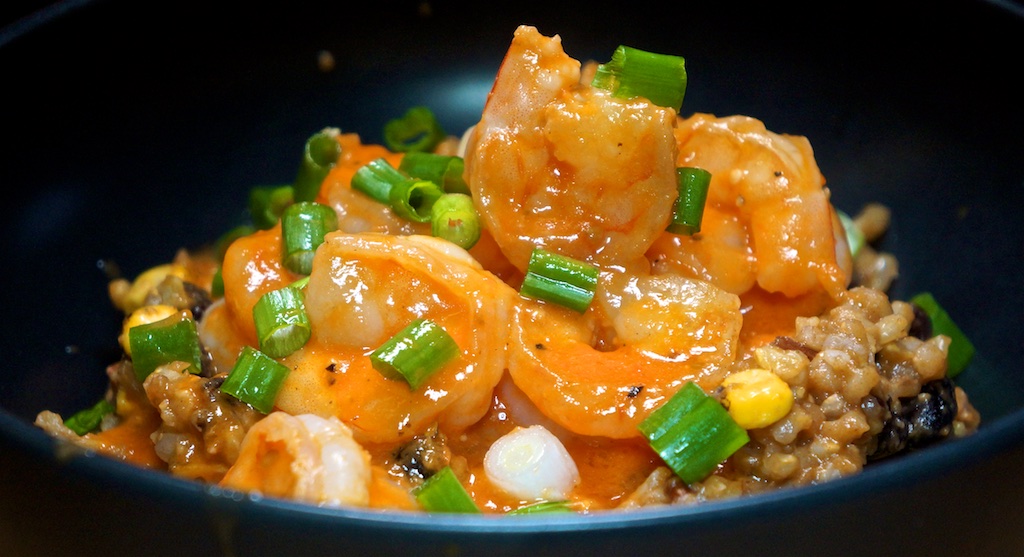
{"type": "Point", "coordinates": [302, 457]}
{"type": "Point", "coordinates": [767, 222]}
{"type": "Point", "coordinates": [356, 211]}
{"type": "Point", "coordinates": [562, 165]}
{"type": "Point", "coordinates": [557, 164]}
{"type": "Point", "coordinates": [662, 331]}
{"type": "Point", "coordinates": [364, 289]}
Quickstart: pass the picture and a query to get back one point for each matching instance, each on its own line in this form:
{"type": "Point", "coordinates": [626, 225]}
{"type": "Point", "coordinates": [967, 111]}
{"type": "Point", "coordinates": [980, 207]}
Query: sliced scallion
{"type": "Point", "coordinates": [255, 379]}
{"type": "Point", "coordinates": [454, 218]}
{"type": "Point", "coordinates": [444, 170]}
{"type": "Point", "coordinates": [376, 178]}
{"type": "Point", "coordinates": [282, 325]}
{"type": "Point", "coordinates": [217, 283]}
{"type": "Point", "coordinates": [266, 203]}
{"type": "Point", "coordinates": [543, 507]}
{"type": "Point", "coordinates": [173, 339]}
{"type": "Point", "coordinates": [854, 235]}
{"type": "Point", "coordinates": [89, 419]}
{"type": "Point", "coordinates": [303, 227]}
{"type": "Point", "coordinates": [415, 353]}
{"type": "Point", "coordinates": [693, 433]}
{"type": "Point", "coordinates": [563, 280]}
{"type": "Point", "coordinates": [660, 78]}
{"type": "Point", "coordinates": [693, 186]}
{"type": "Point", "coordinates": [412, 199]}
{"type": "Point", "coordinates": [961, 349]}
{"type": "Point", "coordinates": [444, 493]}
{"type": "Point", "coordinates": [319, 155]}
{"type": "Point", "coordinates": [417, 130]}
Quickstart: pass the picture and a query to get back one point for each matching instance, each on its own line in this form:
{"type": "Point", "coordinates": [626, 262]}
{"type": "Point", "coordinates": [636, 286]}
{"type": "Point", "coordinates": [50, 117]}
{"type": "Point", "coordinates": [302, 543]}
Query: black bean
{"type": "Point", "coordinates": [932, 413]}
{"type": "Point", "coordinates": [423, 456]}
{"type": "Point", "coordinates": [921, 326]}
{"type": "Point", "coordinates": [893, 437]}
{"type": "Point", "coordinates": [917, 421]}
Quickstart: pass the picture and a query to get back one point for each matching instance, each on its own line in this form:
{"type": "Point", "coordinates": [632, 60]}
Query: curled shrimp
{"type": "Point", "coordinates": [302, 457]}
{"type": "Point", "coordinates": [557, 164]}
{"type": "Point", "coordinates": [664, 330]}
{"type": "Point", "coordinates": [768, 220]}
{"type": "Point", "coordinates": [356, 211]}
{"type": "Point", "coordinates": [365, 288]}
{"type": "Point", "coordinates": [252, 264]}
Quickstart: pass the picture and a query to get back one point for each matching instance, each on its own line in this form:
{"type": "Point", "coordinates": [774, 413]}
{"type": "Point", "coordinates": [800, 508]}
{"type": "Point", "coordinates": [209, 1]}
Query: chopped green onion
{"type": "Point", "coordinates": [282, 326]}
{"type": "Point", "coordinates": [556, 278]}
{"type": "Point", "coordinates": [217, 283]}
{"type": "Point", "coordinates": [454, 218]}
{"type": "Point", "coordinates": [303, 227]}
{"type": "Point", "coordinates": [412, 199]}
{"type": "Point", "coordinates": [266, 203]}
{"type": "Point", "coordinates": [415, 353]}
{"type": "Point", "coordinates": [693, 433]}
{"type": "Point", "coordinates": [444, 170]}
{"type": "Point", "coordinates": [854, 235]}
{"type": "Point", "coordinates": [693, 186]}
{"type": "Point", "coordinates": [376, 178]}
{"type": "Point", "coordinates": [409, 198]}
{"type": "Point", "coordinates": [319, 155]}
{"type": "Point", "coordinates": [89, 419]}
{"type": "Point", "coordinates": [660, 78]}
{"type": "Point", "coordinates": [443, 493]}
{"type": "Point", "coordinates": [543, 507]}
{"type": "Point", "coordinates": [255, 379]}
{"type": "Point", "coordinates": [961, 349]}
{"type": "Point", "coordinates": [417, 130]}
{"type": "Point", "coordinates": [173, 339]}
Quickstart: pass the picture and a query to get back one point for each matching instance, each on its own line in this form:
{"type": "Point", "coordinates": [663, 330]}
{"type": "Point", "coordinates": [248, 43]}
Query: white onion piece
{"type": "Point", "coordinates": [532, 464]}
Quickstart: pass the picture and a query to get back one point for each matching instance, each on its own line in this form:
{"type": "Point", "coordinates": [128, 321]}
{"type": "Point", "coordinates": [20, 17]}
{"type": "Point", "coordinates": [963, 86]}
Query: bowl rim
{"type": "Point", "coordinates": [905, 470]}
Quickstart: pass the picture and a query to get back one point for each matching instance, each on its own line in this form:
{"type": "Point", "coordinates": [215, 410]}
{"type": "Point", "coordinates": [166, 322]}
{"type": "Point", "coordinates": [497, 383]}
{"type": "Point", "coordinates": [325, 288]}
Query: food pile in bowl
{"type": "Point", "coordinates": [591, 300]}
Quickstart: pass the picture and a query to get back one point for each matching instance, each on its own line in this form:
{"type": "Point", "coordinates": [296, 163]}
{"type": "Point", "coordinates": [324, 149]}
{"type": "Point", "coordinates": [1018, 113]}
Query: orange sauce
{"type": "Point", "coordinates": [769, 315]}
{"type": "Point", "coordinates": [130, 441]}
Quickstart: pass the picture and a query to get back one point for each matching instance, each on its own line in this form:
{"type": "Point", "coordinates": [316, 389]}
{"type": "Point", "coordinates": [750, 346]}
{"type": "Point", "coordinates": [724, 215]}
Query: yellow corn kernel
{"type": "Point", "coordinates": [757, 398]}
{"type": "Point", "coordinates": [147, 281]}
{"type": "Point", "coordinates": [143, 316]}
{"type": "Point", "coordinates": [122, 404]}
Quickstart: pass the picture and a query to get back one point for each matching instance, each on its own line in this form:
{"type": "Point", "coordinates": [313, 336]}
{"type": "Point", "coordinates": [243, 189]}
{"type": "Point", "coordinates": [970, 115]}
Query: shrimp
{"type": "Point", "coordinates": [557, 164]}
{"type": "Point", "coordinates": [665, 330]}
{"type": "Point", "coordinates": [364, 289]}
{"type": "Point", "coordinates": [768, 220]}
{"type": "Point", "coordinates": [252, 266]}
{"type": "Point", "coordinates": [302, 457]}
{"type": "Point", "coordinates": [358, 212]}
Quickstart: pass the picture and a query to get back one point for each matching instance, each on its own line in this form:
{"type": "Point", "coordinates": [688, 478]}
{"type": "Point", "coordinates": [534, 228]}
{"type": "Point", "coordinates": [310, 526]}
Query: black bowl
{"type": "Point", "coordinates": [134, 129]}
